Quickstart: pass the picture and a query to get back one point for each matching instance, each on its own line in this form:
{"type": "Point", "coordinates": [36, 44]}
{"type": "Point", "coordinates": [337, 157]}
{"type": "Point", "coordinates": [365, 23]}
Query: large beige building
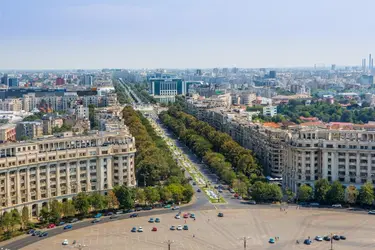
{"type": "Point", "coordinates": [33, 173]}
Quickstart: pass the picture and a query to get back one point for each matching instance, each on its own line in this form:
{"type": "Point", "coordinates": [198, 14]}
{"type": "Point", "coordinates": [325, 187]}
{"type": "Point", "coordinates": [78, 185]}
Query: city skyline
{"type": "Point", "coordinates": [185, 34]}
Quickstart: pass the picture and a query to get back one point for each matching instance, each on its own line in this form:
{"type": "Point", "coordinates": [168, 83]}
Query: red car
{"type": "Point", "coordinates": [236, 195]}
{"type": "Point", "coordinates": [154, 229]}
{"type": "Point", "coordinates": [51, 226]}
{"type": "Point", "coordinates": [186, 216]}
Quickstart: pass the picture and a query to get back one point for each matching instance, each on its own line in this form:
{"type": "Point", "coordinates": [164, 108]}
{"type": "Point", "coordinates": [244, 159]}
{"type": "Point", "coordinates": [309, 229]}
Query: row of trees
{"type": "Point", "coordinates": [154, 162]}
{"type": "Point", "coordinates": [336, 193]}
{"type": "Point", "coordinates": [141, 90]}
{"type": "Point", "coordinates": [326, 112]}
{"type": "Point", "coordinates": [122, 95]}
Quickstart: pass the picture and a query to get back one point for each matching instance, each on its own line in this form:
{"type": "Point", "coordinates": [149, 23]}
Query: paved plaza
{"type": "Point", "coordinates": [212, 232]}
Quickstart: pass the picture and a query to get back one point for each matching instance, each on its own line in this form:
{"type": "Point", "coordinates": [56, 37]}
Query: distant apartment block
{"type": "Point", "coordinates": [7, 133]}
{"type": "Point", "coordinates": [270, 111]}
{"type": "Point", "coordinates": [29, 130]}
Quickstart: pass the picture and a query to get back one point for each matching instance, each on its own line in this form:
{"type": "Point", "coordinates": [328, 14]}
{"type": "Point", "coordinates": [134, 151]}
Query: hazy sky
{"type": "Point", "coordinates": [52, 34]}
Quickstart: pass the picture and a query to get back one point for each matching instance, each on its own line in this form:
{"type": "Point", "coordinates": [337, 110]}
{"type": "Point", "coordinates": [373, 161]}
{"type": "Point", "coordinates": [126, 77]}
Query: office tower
{"type": "Point", "coordinates": [199, 72]}
{"type": "Point", "coordinates": [364, 65]}
{"type": "Point", "coordinates": [13, 82]}
{"type": "Point", "coordinates": [87, 80]}
{"type": "Point", "coordinates": [4, 80]}
{"type": "Point", "coordinates": [272, 74]}
{"type": "Point", "coordinates": [369, 63]}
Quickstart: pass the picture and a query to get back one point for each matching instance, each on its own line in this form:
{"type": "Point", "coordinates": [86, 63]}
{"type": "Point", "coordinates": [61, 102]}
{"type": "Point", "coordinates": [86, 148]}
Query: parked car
{"type": "Point", "coordinates": [314, 204]}
{"type": "Point", "coordinates": [177, 217]}
{"type": "Point", "coordinates": [44, 234]}
{"type": "Point", "coordinates": [271, 240]}
{"type": "Point", "coordinates": [167, 206]}
{"type": "Point", "coordinates": [98, 215]}
{"type": "Point", "coordinates": [65, 242]}
{"type": "Point", "coordinates": [179, 227]}
{"type": "Point", "coordinates": [337, 206]}
{"type": "Point", "coordinates": [109, 214]}
{"type": "Point", "coordinates": [342, 237]}
{"type": "Point", "coordinates": [31, 231]}
{"type": "Point", "coordinates": [138, 209]}
{"type": "Point", "coordinates": [147, 208]}
{"type": "Point", "coordinates": [327, 238]}
{"type": "Point", "coordinates": [175, 208]}
{"type": "Point", "coordinates": [69, 226]}
{"type": "Point", "coordinates": [231, 191]}
{"type": "Point", "coordinates": [220, 190]}
{"type": "Point", "coordinates": [154, 229]}
{"type": "Point", "coordinates": [51, 226]}
{"type": "Point", "coordinates": [61, 223]}
{"type": "Point", "coordinates": [186, 227]}
{"type": "Point", "coordinates": [172, 228]}
{"type": "Point", "coordinates": [157, 220]}
{"type": "Point", "coordinates": [74, 220]}
{"type": "Point", "coordinates": [192, 216]}
{"type": "Point", "coordinates": [307, 242]}
{"type": "Point", "coordinates": [119, 212]}
{"type": "Point", "coordinates": [96, 220]}
{"type": "Point", "coordinates": [220, 215]}
{"type": "Point", "coordinates": [336, 237]}
{"type": "Point", "coordinates": [151, 220]}
{"type": "Point", "coordinates": [134, 230]}
{"type": "Point", "coordinates": [371, 212]}
{"type": "Point", "coordinates": [194, 183]}
{"type": "Point", "coordinates": [252, 202]}
{"type": "Point", "coordinates": [36, 233]}
{"type": "Point", "coordinates": [140, 229]}
{"type": "Point", "coordinates": [318, 238]}
{"type": "Point", "coordinates": [186, 216]}
{"type": "Point", "coordinates": [133, 215]}
{"type": "Point", "coordinates": [114, 216]}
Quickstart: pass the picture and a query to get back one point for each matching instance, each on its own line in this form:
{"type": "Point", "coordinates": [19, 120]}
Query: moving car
{"type": "Point", "coordinates": [114, 216]}
{"type": "Point", "coordinates": [51, 226]}
{"type": "Point", "coordinates": [65, 242]}
{"type": "Point", "coordinates": [342, 237]}
{"type": "Point", "coordinates": [74, 220]}
{"type": "Point", "coordinates": [179, 227]}
{"type": "Point", "coordinates": [133, 215]}
{"type": "Point", "coordinates": [61, 223]}
{"type": "Point", "coordinates": [98, 215]}
{"type": "Point", "coordinates": [68, 227]}
{"type": "Point", "coordinates": [337, 206]}
{"type": "Point", "coordinates": [151, 220]}
{"type": "Point", "coordinates": [318, 238]}
{"type": "Point", "coordinates": [119, 212]}
{"type": "Point", "coordinates": [186, 227]}
{"type": "Point", "coordinates": [220, 215]}
{"type": "Point", "coordinates": [194, 183]}
{"type": "Point", "coordinates": [251, 202]}
{"type": "Point", "coordinates": [327, 238]}
{"type": "Point", "coordinates": [307, 242]}
{"type": "Point", "coordinates": [44, 234]}
{"type": "Point", "coordinates": [175, 208]}
{"type": "Point", "coordinates": [167, 206]}
{"type": "Point", "coordinates": [96, 220]}
{"type": "Point", "coordinates": [140, 229]}
{"type": "Point", "coordinates": [172, 228]}
{"type": "Point", "coordinates": [109, 214]}
{"type": "Point", "coordinates": [220, 190]}
{"type": "Point", "coordinates": [231, 191]}
{"type": "Point", "coordinates": [157, 220]}
{"type": "Point", "coordinates": [198, 190]}
{"type": "Point", "coordinates": [134, 230]}
{"type": "Point", "coordinates": [271, 240]}
{"type": "Point", "coordinates": [36, 233]}
{"type": "Point", "coordinates": [371, 212]}
{"type": "Point", "coordinates": [154, 229]}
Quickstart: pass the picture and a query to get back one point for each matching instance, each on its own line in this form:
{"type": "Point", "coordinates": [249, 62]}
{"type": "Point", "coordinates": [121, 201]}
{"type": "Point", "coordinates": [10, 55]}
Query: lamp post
{"type": "Point", "coordinates": [169, 243]}
{"type": "Point", "coordinates": [244, 241]}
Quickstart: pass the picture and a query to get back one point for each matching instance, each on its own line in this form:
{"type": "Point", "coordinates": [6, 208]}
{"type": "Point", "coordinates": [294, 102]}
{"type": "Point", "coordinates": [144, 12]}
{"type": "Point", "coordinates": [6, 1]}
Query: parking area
{"type": "Point", "coordinates": [209, 231]}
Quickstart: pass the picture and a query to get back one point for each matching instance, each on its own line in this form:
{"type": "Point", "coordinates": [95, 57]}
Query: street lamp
{"type": "Point", "coordinates": [244, 241]}
{"type": "Point", "coordinates": [169, 243]}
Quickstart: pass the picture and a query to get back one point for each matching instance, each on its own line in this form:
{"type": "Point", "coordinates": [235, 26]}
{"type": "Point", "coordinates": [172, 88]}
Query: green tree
{"type": "Point", "coordinates": [44, 214]}
{"type": "Point", "coordinates": [177, 192]}
{"type": "Point", "coordinates": [188, 192]}
{"type": "Point", "coordinates": [25, 217]}
{"type": "Point", "coordinates": [336, 193]}
{"type": "Point", "coordinates": [274, 192]}
{"type": "Point", "coordinates": [81, 203]}
{"type": "Point", "coordinates": [112, 200]}
{"type": "Point", "coordinates": [15, 219]}
{"type": "Point", "coordinates": [97, 201]}
{"type": "Point", "coordinates": [305, 193]}
{"type": "Point", "coordinates": [322, 187]}
{"type": "Point", "coordinates": [351, 194]}
{"type": "Point", "coordinates": [240, 187]}
{"type": "Point", "coordinates": [289, 193]}
{"type": "Point", "coordinates": [6, 221]}
{"type": "Point", "coordinates": [152, 195]}
{"type": "Point", "coordinates": [366, 194]}
{"type": "Point", "coordinates": [258, 191]}
{"type": "Point", "coordinates": [55, 211]}
{"type": "Point", "coordinates": [165, 194]}
{"type": "Point", "coordinates": [125, 196]}
{"type": "Point", "coordinates": [140, 196]}
{"type": "Point", "coordinates": [68, 209]}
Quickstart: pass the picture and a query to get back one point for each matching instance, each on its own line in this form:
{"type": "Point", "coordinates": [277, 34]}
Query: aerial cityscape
{"type": "Point", "coordinates": [187, 125]}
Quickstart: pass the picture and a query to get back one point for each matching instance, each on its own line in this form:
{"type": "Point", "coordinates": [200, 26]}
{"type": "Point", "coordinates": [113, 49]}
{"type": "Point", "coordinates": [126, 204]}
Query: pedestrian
{"type": "Point", "coordinates": [193, 235]}
{"type": "Point", "coordinates": [194, 218]}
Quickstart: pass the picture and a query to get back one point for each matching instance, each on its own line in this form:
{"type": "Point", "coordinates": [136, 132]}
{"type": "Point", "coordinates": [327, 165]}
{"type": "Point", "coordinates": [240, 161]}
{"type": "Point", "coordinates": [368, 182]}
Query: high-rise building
{"type": "Point", "coordinates": [165, 90]}
{"type": "Point", "coordinates": [333, 67]}
{"type": "Point", "coordinates": [364, 65]}
{"type": "Point", "coordinates": [272, 74]}
{"type": "Point", "coordinates": [369, 63]}
{"type": "Point", "coordinates": [4, 80]}
{"type": "Point", "coordinates": [12, 82]}
{"type": "Point", "coordinates": [88, 80]}
{"type": "Point", "coordinates": [60, 81]}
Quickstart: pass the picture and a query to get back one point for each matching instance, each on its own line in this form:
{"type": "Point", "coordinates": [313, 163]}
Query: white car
{"type": "Point", "coordinates": [336, 206]}
{"type": "Point", "coordinates": [318, 238]}
{"type": "Point", "coordinates": [177, 217]}
{"type": "Point", "coordinates": [140, 229]}
{"type": "Point", "coordinates": [179, 227]}
{"type": "Point", "coordinates": [65, 242]}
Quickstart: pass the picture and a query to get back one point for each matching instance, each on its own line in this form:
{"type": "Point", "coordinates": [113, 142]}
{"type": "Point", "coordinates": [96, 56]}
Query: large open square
{"type": "Point", "coordinates": [212, 232]}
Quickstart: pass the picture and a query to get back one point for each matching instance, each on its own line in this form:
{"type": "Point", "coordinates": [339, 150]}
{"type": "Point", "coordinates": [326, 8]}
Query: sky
{"type": "Point", "coordinates": [92, 34]}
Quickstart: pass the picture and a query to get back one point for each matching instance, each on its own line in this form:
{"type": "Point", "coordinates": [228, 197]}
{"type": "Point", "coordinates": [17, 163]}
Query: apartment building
{"type": "Point", "coordinates": [33, 173]}
{"type": "Point", "coordinates": [29, 130]}
{"type": "Point", "coordinates": [7, 133]}
{"type": "Point", "coordinates": [301, 154]}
